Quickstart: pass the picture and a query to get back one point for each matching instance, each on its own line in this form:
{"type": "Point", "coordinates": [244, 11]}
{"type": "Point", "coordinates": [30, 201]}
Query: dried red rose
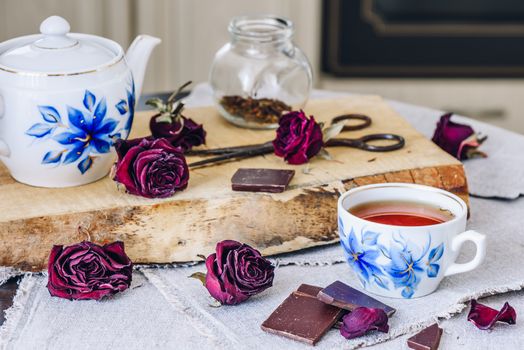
{"type": "Point", "coordinates": [485, 317]}
{"type": "Point", "coordinates": [150, 168]}
{"type": "Point", "coordinates": [362, 320]}
{"type": "Point", "coordinates": [180, 132]}
{"type": "Point", "coordinates": [88, 271]}
{"type": "Point", "coordinates": [298, 139]}
{"type": "Point", "coordinates": [459, 140]}
{"type": "Point", "coordinates": [236, 272]}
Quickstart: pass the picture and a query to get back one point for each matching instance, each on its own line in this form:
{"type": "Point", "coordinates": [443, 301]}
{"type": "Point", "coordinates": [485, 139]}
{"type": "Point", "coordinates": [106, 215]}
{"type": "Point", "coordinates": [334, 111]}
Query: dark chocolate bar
{"type": "Point", "coordinates": [261, 180]}
{"type": "Point", "coordinates": [308, 289]}
{"type": "Point", "coordinates": [343, 296]}
{"type": "Point", "coordinates": [302, 316]}
{"type": "Point", "coordinates": [426, 339]}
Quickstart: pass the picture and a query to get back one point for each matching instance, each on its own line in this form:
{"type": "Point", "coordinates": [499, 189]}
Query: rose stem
{"type": "Point", "coordinates": [247, 153]}
{"type": "Point", "coordinates": [224, 150]}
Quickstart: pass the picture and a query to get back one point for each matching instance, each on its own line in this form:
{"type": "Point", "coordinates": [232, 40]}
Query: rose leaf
{"type": "Point", "coordinates": [199, 276]}
{"type": "Point", "coordinates": [215, 303]}
{"type": "Point", "coordinates": [323, 153]}
{"type": "Point", "coordinates": [201, 256]}
{"type": "Point", "coordinates": [306, 170]}
{"type": "Point", "coordinates": [332, 131]}
{"type": "Point", "coordinates": [165, 117]}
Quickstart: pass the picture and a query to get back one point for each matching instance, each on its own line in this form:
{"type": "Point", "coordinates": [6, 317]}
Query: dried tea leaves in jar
{"type": "Point", "coordinates": [261, 110]}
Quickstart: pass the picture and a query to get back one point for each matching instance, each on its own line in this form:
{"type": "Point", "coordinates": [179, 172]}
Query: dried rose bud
{"type": "Point", "coordinates": [169, 123]}
{"type": "Point", "coordinates": [459, 140]}
{"type": "Point", "coordinates": [236, 272]}
{"type": "Point", "coordinates": [88, 271]}
{"type": "Point", "coordinates": [298, 139]}
{"type": "Point", "coordinates": [362, 320]}
{"type": "Point", "coordinates": [180, 132]}
{"type": "Point", "coordinates": [150, 168]}
{"type": "Point", "coordinates": [485, 317]}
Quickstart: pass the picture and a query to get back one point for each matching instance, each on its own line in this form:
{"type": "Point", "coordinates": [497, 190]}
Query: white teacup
{"type": "Point", "coordinates": [405, 261]}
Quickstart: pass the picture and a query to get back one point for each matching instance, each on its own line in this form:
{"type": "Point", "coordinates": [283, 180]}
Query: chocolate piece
{"type": "Point", "coordinates": [426, 339]}
{"type": "Point", "coordinates": [308, 289]}
{"type": "Point", "coordinates": [302, 317]}
{"type": "Point", "coordinates": [345, 297]}
{"type": "Point", "coordinates": [262, 180]}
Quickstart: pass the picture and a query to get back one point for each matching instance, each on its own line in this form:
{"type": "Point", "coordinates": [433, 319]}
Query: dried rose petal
{"type": "Point", "coordinates": [485, 317]}
{"type": "Point", "coordinates": [469, 147]}
{"type": "Point", "coordinates": [459, 140]}
{"type": "Point", "coordinates": [362, 320]}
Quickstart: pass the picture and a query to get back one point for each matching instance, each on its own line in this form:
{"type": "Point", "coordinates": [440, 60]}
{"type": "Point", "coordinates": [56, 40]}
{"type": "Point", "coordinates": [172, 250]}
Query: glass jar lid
{"type": "Point", "coordinates": [56, 51]}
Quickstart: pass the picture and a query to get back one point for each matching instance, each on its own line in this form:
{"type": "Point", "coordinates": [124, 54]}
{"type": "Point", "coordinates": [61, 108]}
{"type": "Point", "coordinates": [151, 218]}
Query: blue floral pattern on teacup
{"type": "Point", "coordinates": [362, 255]}
{"type": "Point", "coordinates": [89, 131]}
{"type": "Point", "coordinates": [406, 263]}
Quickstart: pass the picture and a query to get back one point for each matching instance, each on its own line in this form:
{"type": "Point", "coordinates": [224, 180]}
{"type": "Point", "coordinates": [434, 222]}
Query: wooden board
{"type": "Point", "coordinates": [190, 223]}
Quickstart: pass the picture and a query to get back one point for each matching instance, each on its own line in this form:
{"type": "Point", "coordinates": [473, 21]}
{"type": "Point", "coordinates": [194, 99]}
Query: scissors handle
{"type": "Point", "coordinates": [363, 142]}
{"type": "Point", "coordinates": [366, 121]}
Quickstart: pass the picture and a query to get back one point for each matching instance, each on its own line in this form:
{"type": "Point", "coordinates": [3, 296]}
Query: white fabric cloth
{"type": "Point", "coordinates": [165, 309]}
{"type": "Point", "coordinates": [460, 334]}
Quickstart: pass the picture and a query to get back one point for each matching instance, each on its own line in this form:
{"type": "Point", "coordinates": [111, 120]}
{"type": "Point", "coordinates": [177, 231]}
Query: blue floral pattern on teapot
{"type": "Point", "coordinates": [89, 131]}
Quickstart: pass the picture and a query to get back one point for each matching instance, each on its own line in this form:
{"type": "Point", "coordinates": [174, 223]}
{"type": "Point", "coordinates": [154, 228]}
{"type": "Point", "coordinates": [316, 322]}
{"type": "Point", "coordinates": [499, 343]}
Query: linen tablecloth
{"type": "Point", "coordinates": [165, 309]}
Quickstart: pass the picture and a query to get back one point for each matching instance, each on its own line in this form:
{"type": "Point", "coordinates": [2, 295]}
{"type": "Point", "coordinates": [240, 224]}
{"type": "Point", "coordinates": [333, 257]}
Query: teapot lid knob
{"type": "Point", "coordinates": [55, 25]}
{"type": "Point", "coordinates": [54, 30]}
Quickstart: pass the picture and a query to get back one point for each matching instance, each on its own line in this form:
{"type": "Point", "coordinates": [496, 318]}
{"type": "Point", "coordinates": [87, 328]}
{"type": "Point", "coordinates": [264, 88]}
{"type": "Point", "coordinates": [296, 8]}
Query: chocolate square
{"type": "Point", "coordinates": [261, 180]}
{"type": "Point", "coordinates": [343, 296]}
{"type": "Point", "coordinates": [302, 317]}
{"type": "Point", "coordinates": [426, 339]}
{"type": "Point", "coordinates": [308, 289]}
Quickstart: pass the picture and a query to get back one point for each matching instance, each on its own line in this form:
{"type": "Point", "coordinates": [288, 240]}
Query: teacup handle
{"type": "Point", "coordinates": [480, 242]}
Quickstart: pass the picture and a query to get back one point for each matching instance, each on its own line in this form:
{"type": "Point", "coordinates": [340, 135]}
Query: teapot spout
{"type": "Point", "coordinates": [137, 57]}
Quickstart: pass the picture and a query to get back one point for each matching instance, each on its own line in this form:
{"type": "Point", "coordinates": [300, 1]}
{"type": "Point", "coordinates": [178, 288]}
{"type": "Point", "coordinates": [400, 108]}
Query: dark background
{"type": "Point", "coordinates": [444, 38]}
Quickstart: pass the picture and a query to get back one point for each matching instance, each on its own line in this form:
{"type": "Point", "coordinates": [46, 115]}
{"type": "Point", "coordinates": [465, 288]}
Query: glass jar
{"type": "Point", "coordinates": [260, 73]}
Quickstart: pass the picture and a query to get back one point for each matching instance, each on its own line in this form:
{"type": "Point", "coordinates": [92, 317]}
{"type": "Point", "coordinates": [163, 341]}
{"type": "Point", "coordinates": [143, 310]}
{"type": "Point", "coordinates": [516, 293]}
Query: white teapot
{"type": "Point", "coordinates": [64, 99]}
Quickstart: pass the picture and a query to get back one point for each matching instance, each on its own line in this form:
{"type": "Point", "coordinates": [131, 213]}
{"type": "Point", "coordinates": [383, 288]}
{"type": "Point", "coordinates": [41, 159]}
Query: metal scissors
{"type": "Point", "coordinates": [363, 143]}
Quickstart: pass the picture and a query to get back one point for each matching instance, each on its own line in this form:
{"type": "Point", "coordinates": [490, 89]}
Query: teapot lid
{"type": "Point", "coordinates": [57, 52]}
